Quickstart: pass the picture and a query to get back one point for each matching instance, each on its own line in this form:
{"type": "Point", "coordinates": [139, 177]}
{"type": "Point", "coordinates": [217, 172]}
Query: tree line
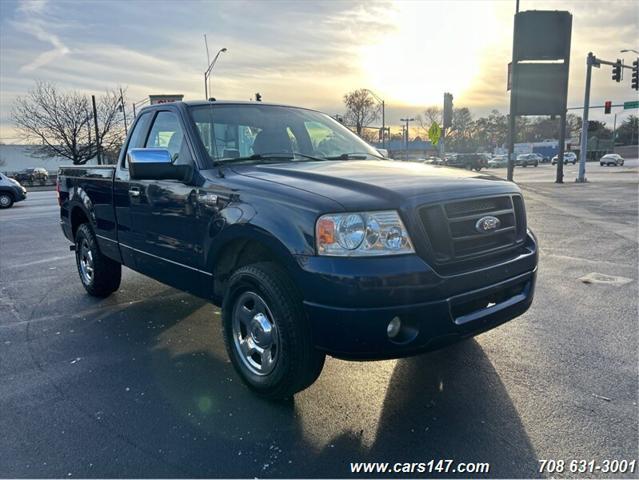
{"type": "Point", "coordinates": [470, 134]}
{"type": "Point", "coordinates": [60, 123]}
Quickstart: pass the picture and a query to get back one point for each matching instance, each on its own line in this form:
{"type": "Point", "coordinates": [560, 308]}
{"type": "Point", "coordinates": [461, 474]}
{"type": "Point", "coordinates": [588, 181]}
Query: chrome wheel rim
{"type": "Point", "coordinates": [4, 200]}
{"type": "Point", "coordinates": [86, 262]}
{"type": "Point", "coordinates": [255, 335]}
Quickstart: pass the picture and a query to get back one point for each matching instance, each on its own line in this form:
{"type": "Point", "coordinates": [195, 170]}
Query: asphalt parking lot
{"type": "Point", "coordinates": [138, 384]}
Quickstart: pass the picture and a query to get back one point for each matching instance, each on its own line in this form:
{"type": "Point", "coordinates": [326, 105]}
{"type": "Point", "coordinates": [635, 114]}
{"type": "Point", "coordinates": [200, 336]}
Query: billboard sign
{"type": "Point", "coordinates": [542, 35]}
{"type": "Point", "coordinates": [541, 89]}
{"type": "Point", "coordinates": [156, 99]}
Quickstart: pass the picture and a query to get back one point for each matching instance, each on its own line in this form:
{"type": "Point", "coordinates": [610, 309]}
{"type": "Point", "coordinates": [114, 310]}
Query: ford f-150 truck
{"type": "Point", "coordinates": [310, 242]}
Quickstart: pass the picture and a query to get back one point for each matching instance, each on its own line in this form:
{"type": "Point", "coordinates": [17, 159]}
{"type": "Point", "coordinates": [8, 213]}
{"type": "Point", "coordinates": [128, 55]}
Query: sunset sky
{"type": "Point", "coordinates": [300, 53]}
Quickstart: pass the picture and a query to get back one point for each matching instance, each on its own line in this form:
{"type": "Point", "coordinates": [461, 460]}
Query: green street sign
{"type": "Point", "coordinates": [629, 105]}
{"type": "Point", "coordinates": [434, 132]}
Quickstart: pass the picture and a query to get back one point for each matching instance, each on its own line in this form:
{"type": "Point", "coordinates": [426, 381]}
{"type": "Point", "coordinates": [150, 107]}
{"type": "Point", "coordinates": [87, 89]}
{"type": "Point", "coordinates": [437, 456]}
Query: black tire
{"type": "Point", "coordinates": [6, 200]}
{"type": "Point", "coordinates": [297, 363]}
{"type": "Point", "coordinates": [105, 275]}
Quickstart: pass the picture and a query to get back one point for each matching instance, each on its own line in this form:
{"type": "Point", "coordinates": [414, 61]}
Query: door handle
{"type": "Point", "coordinates": [134, 191]}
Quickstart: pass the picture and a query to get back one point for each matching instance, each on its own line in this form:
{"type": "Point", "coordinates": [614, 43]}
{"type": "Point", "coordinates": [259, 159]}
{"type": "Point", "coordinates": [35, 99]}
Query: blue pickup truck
{"type": "Point", "coordinates": [308, 239]}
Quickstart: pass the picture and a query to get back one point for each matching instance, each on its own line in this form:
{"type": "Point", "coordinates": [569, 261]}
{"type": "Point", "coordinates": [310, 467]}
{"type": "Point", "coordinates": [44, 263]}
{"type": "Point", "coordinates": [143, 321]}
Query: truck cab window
{"type": "Point", "coordinates": [137, 136]}
{"type": "Point", "coordinates": [167, 133]}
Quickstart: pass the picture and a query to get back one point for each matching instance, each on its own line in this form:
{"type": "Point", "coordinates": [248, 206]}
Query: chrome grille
{"type": "Point", "coordinates": [451, 227]}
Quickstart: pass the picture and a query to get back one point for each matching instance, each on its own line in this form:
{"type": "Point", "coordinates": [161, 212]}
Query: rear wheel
{"type": "Point", "coordinates": [6, 200]}
{"type": "Point", "coordinates": [99, 274]}
{"type": "Point", "coordinates": [267, 334]}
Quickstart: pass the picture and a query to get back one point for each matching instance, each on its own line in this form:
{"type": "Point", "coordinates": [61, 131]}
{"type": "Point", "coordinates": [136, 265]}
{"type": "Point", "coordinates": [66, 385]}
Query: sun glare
{"type": "Point", "coordinates": [433, 48]}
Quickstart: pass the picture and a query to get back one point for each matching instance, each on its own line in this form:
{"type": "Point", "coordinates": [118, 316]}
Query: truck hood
{"type": "Point", "coordinates": [371, 183]}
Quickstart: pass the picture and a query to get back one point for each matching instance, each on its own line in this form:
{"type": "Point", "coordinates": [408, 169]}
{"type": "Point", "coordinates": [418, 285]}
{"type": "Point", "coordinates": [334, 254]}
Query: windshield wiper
{"type": "Point", "coordinates": [268, 157]}
{"type": "Point", "coordinates": [354, 156]}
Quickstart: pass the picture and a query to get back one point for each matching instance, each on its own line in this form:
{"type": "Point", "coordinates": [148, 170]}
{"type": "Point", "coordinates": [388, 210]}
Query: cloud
{"type": "Point", "coordinates": [305, 53]}
{"type": "Point", "coordinates": [32, 21]}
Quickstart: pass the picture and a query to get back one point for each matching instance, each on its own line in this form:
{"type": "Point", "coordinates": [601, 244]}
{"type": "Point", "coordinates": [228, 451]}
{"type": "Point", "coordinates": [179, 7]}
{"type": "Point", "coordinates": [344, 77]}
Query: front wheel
{"type": "Point", "coordinates": [99, 274]}
{"type": "Point", "coordinates": [6, 200]}
{"type": "Point", "coordinates": [267, 334]}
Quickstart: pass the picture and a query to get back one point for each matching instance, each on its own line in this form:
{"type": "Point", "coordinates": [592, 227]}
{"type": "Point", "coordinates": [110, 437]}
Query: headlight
{"type": "Point", "coordinates": [362, 234]}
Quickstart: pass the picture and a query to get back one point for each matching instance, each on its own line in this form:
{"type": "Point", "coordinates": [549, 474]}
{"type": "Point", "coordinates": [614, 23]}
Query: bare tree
{"type": "Point", "coordinates": [361, 109]}
{"type": "Point", "coordinates": [432, 114]}
{"type": "Point", "coordinates": [61, 123]}
{"type": "Point", "coordinates": [371, 135]}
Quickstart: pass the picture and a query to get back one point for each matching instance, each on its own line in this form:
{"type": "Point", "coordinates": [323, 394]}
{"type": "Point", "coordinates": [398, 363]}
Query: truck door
{"type": "Point", "coordinates": [164, 214]}
{"type": "Point", "coordinates": [121, 195]}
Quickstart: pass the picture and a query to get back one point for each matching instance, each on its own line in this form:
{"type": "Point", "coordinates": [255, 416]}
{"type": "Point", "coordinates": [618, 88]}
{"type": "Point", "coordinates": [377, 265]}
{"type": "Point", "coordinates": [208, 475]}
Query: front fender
{"type": "Point", "coordinates": [249, 232]}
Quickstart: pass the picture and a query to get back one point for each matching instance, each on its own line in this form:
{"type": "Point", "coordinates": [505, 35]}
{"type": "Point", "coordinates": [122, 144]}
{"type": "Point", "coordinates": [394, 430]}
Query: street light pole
{"type": "Point", "coordinates": [207, 73]}
{"type": "Point", "coordinates": [138, 103]}
{"type": "Point", "coordinates": [406, 120]}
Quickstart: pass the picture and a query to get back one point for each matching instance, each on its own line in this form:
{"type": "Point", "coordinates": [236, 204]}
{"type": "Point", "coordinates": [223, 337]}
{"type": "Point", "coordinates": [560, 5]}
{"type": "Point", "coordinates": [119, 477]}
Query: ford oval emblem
{"type": "Point", "coordinates": [487, 224]}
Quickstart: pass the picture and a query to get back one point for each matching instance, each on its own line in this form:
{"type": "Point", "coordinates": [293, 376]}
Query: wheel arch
{"type": "Point", "coordinates": [244, 246]}
{"type": "Point", "coordinates": [9, 192]}
{"type": "Point", "coordinates": [78, 217]}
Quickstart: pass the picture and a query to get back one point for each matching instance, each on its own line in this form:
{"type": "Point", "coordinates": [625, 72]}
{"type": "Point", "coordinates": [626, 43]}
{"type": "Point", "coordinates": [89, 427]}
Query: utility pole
{"type": "Point", "coordinates": [383, 104]}
{"type": "Point", "coordinates": [511, 116]}
{"type": "Point", "coordinates": [97, 134]}
{"type": "Point", "coordinates": [383, 124]}
{"type": "Point", "coordinates": [126, 129]}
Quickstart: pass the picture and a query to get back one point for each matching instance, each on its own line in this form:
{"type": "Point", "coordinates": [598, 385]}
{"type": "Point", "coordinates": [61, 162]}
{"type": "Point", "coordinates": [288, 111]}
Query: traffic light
{"type": "Point", "coordinates": [607, 106]}
{"type": "Point", "coordinates": [635, 74]}
{"type": "Point", "coordinates": [258, 97]}
{"type": "Point", "coordinates": [616, 71]}
{"type": "Point", "coordinates": [448, 110]}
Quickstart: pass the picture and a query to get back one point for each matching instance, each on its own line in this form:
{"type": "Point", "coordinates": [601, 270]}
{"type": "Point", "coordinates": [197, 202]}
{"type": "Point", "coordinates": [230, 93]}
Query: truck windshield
{"type": "Point", "coordinates": [259, 133]}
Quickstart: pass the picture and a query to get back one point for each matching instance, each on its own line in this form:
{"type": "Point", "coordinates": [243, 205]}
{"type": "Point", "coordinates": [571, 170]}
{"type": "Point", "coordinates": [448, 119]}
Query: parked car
{"type": "Point", "coordinates": [611, 159]}
{"type": "Point", "coordinates": [10, 191]}
{"type": "Point", "coordinates": [32, 176]}
{"type": "Point", "coordinates": [431, 160]}
{"type": "Point", "coordinates": [569, 157]}
{"type": "Point", "coordinates": [526, 159]}
{"type": "Point", "coordinates": [311, 243]}
{"type": "Point", "coordinates": [498, 161]}
{"type": "Point", "coordinates": [469, 161]}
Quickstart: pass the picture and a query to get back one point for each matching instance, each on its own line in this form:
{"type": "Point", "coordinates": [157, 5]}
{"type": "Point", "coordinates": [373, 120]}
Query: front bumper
{"type": "Point", "coordinates": [350, 312]}
{"type": "Point", "coordinates": [20, 194]}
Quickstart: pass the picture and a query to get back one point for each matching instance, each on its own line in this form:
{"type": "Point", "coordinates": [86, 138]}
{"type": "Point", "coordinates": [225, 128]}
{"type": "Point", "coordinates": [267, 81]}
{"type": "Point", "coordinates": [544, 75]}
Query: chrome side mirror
{"type": "Point", "coordinates": [155, 164]}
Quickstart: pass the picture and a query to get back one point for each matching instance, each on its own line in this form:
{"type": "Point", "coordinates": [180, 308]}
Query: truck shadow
{"type": "Point", "coordinates": [448, 404]}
